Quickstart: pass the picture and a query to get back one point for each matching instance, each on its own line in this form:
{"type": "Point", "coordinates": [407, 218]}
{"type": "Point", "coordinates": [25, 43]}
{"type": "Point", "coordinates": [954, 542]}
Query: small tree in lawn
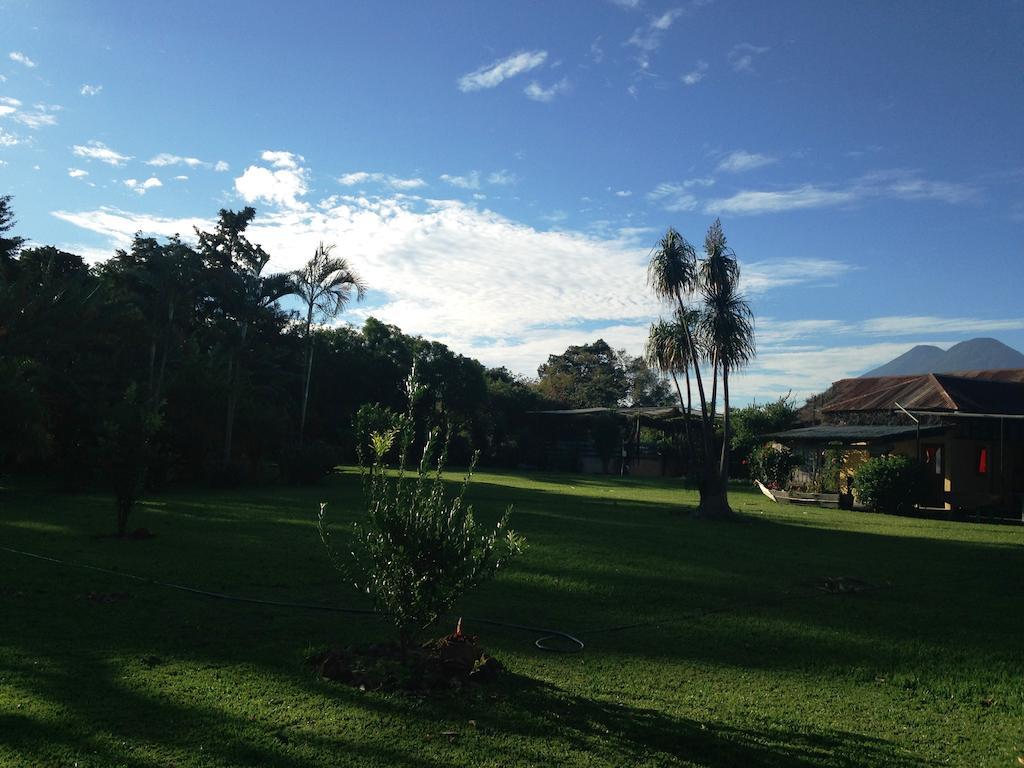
{"type": "Point", "coordinates": [126, 448]}
{"type": "Point", "coordinates": [419, 550]}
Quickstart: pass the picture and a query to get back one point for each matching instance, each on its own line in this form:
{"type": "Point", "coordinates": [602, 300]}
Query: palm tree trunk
{"type": "Point", "coordinates": [309, 371]}
{"type": "Point", "coordinates": [723, 467]}
{"type": "Point", "coordinates": [682, 407]}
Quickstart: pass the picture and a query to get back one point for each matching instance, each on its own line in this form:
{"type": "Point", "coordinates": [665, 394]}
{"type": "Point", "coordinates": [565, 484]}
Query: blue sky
{"type": "Point", "coordinates": [498, 172]}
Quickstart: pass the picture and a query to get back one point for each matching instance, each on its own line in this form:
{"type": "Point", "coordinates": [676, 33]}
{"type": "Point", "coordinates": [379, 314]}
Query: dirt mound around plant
{"type": "Point", "coordinates": [449, 663]}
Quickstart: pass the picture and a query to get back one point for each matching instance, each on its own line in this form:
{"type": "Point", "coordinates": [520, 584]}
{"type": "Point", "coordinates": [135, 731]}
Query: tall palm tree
{"type": "Point", "coordinates": [727, 327]}
{"type": "Point", "coordinates": [668, 351]}
{"type": "Point", "coordinates": [672, 275]}
{"type": "Point", "coordinates": [325, 284]}
{"type": "Point", "coordinates": [721, 335]}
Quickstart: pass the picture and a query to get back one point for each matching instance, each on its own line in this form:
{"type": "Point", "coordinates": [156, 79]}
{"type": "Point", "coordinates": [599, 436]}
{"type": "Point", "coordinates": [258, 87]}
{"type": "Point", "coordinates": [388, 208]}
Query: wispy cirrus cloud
{"type": "Point", "coordinates": [77, 173]}
{"type": "Point", "coordinates": [740, 161]}
{"type": "Point", "coordinates": [696, 74]}
{"type": "Point", "coordinates": [90, 90]}
{"type": "Point", "coordinates": [494, 74]}
{"type": "Point", "coordinates": [97, 150]}
{"type": "Point", "coordinates": [649, 37]}
{"type": "Point", "coordinates": [893, 184]}
{"type": "Point", "coordinates": [469, 180]}
{"type": "Point", "coordinates": [21, 58]}
{"type": "Point", "coordinates": [742, 56]}
{"type": "Point", "coordinates": [537, 92]}
{"type": "Point", "coordinates": [395, 182]}
{"type": "Point", "coordinates": [678, 196]}
{"type": "Point", "coordinates": [165, 159]}
{"type": "Point", "coordinates": [35, 117]}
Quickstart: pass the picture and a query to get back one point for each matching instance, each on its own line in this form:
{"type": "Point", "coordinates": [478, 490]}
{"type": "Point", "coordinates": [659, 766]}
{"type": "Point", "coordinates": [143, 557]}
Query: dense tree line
{"type": "Point", "coordinates": [174, 360]}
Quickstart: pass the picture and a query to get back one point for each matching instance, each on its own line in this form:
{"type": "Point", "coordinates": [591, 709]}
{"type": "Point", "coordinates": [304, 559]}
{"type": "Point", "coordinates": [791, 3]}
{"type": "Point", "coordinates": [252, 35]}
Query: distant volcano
{"type": "Point", "coordinates": [973, 355]}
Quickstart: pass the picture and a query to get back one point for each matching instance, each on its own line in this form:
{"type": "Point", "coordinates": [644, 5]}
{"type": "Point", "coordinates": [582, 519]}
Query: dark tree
{"type": "Point", "coordinates": [587, 376]}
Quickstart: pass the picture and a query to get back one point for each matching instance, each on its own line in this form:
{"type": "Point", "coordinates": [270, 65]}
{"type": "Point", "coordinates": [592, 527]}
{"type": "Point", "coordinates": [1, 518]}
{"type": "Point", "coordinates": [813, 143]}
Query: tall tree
{"type": "Point", "coordinates": [326, 284]}
{"type": "Point", "coordinates": [727, 325]}
{"type": "Point", "coordinates": [587, 376]}
{"type": "Point", "coordinates": [241, 296]}
{"type": "Point", "coordinates": [9, 246]}
{"type": "Point", "coordinates": [721, 335]}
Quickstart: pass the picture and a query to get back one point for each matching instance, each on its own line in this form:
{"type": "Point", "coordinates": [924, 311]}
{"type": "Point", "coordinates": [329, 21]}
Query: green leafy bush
{"type": "Point", "coordinates": [419, 549]}
{"type": "Point", "coordinates": [888, 483]}
{"type": "Point", "coordinates": [772, 465]}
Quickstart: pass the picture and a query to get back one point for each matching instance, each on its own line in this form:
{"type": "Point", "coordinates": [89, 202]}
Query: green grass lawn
{"type": "Point", "coordinates": [743, 660]}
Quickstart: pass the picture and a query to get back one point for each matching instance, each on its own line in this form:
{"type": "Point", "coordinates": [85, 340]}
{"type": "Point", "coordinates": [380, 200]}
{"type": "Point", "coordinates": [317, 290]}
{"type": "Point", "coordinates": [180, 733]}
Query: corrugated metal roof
{"type": "Point", "coordinates": [990, 392]}
{"type": "Point", "coordinates": [828, 433]}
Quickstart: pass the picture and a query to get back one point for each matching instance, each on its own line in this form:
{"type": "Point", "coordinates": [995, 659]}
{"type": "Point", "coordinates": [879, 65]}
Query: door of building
{"type": "Point", "coordinates": [934, 459]}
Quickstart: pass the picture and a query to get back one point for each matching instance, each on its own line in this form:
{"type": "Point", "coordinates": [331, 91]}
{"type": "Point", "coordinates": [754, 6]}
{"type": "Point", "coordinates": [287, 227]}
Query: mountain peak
{"type": "Point", "coordinates": [979, 354]}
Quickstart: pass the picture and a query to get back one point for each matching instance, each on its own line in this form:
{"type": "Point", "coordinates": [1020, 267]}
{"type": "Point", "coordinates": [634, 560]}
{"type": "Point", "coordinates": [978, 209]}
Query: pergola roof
{"type": "Point", "coordinates": [645, 411]}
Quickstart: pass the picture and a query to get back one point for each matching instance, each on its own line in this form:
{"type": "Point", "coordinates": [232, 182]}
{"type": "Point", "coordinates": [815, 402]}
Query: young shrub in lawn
{"type": "Point", "coordinates": [888, 483]}
{"type": "Point", "coordinates": [419, 549]}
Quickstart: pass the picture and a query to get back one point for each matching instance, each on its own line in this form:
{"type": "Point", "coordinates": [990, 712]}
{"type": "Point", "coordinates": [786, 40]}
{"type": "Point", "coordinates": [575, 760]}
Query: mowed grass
{"type": "Point", "coordinates": [742, 659]}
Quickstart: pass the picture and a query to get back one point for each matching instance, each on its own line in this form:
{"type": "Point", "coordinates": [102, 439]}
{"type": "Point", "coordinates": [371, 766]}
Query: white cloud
{"type": "Point", "coordinates": [142, 187]}
{"type": "Point", "coordinates": [358, 177]}
{"type": "Point", "coordinates": [739, 161]}
{"type": "Point", "coordinates": [280, 159]}
{"type": "Point", "coordinates": [907, 185]}
{"type": "Point", "coordinates": [762, 276]}
{"type": "Point", "coordinates": [414, 183]}
{"type": "Point", "coordinates": [627, 4]}
{"type": "Point", "coordinates": [21, 58]}
{"type": "Point", "coordinates": [220, 166]}
{"type": "Point", "coordinates": [494, 74]}
{"type": "Point", "coordinates": [537, 92]}
{"type": "Point", "coordinates": [502, 178]}
{"type": "Point", "coordinates": [8, 106]}
{"type": "Point", "coordinates": [807, 196]}
{"type": "Point", "coordinates": [181, 178]}
{"type": "Point", "coordinates": [696, 74]}
{"type": "Point", "coordinates": [470, 181]}
{"type": "Point", "coordinates": [77, 173]}
{"type": "Point", "coordinates": [281, 187]}
{"type": "Point", "coordinates": [40, 115]}
{"type": "Point", "coordinates": [489, 286]}
{"type": "Point", "coordinates": [623, 192]}
{"type": "Point", "coordinates": [8, 139]}
{"type": "Point", "coordinates": [649, 37]}
{"type": "Point", "coordinates": [395, 182]}
{"type": "Point", "coordinates": [925, 324]}
{"type": "Point", "coordinates": [97, 150]}
{"type": "Point", "coordinates": [90, 90]}
{"type": "Point", "coordinates": [674, 196]}
{"type": "Point", "coordinates": [666, 19]}
{"type": "Point", "coordinates": [896, 184]}
{"type": "Point", "coordinates": [742, 56]}
{"type": "Point", "coordinates": [165, 159]}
